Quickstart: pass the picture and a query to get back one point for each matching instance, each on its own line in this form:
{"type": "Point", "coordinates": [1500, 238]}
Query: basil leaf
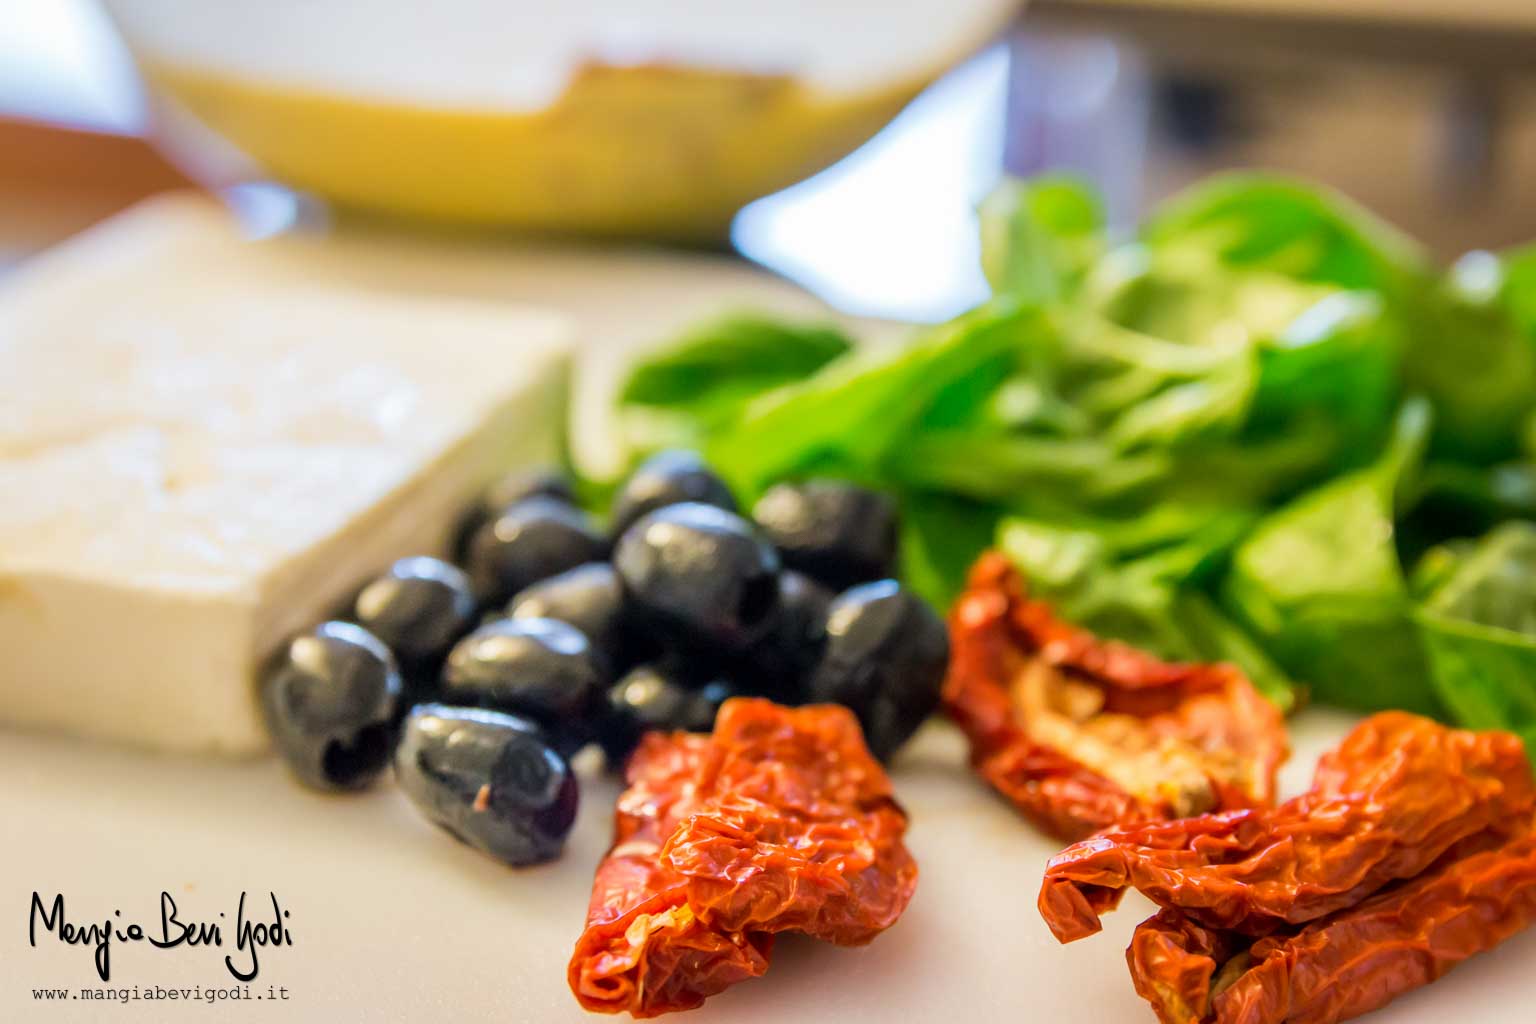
{"type": "Point", "coordinates": [1038, 237]}
{"type": "Point", "coordinates": [1475, 357]}
{"type": "Point", "coordinates": [714, 369]}
{"type": "Point", "coordinates": [1302, 231]}
{"type": "Point", "coordinates": [1479, 628]}
{"type": "Point", "coordinates": [1320, 584]}
{"type": "Point", "coordinates": [940, 538]}
{"type": "Point", "coordinates": [854, 411]}
{"type": "Point", "coordinates": [1138, 582]}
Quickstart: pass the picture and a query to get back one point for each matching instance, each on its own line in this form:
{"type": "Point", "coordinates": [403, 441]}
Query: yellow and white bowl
{"type": "Point", "coordinates": [651, 118]}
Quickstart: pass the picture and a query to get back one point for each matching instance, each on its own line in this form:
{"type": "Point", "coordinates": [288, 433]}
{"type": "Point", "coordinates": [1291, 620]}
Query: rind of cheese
{"type": "Point", "coordinates": [201, 452]}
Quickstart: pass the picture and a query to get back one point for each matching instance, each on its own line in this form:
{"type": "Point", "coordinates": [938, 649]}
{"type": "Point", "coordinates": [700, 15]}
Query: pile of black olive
{"type": "Point", "coordinates": [480, 683]}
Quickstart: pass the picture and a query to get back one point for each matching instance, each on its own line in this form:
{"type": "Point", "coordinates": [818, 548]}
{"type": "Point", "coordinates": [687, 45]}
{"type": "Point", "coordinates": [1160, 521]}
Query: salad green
{"type": "Point", "coordinates": [1479, 629]}
{"type": "Point", "coordinates": [1266, 428]}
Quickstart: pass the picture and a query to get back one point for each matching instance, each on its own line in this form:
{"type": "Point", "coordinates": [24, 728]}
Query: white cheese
{"type": "Point", "coordinates": [201, 451]}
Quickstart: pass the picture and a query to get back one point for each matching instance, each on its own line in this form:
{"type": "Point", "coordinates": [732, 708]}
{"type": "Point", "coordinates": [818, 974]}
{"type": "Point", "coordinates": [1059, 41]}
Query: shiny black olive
{"type": "Point", "coordinates": [419, 608]}
{"type": "Point", "coordinates": [490, 779]}
{"type": "Point", "coordinates": [834, 532]}
{"type": "Point", "coordinates": [779, 664]}
{"type": "Point", "coordinates": [331, 699]}
{"type": "Point", "coordinates": [530, 541]}
{"type": "Point", "coordinates": [591, 598]}
{"type": "Point", "coordinates": [700, 576]}
{"type": "Point", "coordinates": [538, 482]}
{"type": "Point", "coordinates": [667, 478]}
{"type": "Point", "coordinates": [885, 659]}
{"type": "Point", "coordinates": [654, 697]}
{"type": "Point", "coordinates": [541, 668]}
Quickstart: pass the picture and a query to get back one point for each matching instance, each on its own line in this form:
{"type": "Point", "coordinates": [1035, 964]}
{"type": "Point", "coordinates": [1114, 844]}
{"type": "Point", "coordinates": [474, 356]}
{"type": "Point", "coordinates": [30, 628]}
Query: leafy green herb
{"type": "Point", "coordinates": [1213, 636]}
{"type": "Point", "coordinates": [1452, 502]}
{"type": "Point", "coordinates": [1039, 237]}
{"type": "Point", "coordinates": [1479, 627]}
{"type": "Point", "coordinates": [1302, 231]}
{"type": "Point", "coordinates": [1139, 581]}
{"type": "Point", "coordinates": [1197, 439]}
{"type": "Point", "coordinates": [706, 377]}
{"type": "Point", "coordinates": [848, 417]}
{"type": "Point", "coordinates": [1475, 357]}
{"type": "Point", "coordinates": [711, 370]}
{"type": "Point", "coordinates": [941, 535]}
{"type": "Point", "coordinates": [1320, 583]}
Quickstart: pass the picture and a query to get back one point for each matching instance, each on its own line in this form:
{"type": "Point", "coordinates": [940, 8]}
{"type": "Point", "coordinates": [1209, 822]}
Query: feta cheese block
{"type": "Point", "coordinates": [202, 452]}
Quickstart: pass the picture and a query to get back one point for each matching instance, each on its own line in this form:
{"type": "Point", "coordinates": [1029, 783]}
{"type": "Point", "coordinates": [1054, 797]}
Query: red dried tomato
{"type": "Point", "coordinates": [1396, 794]}
{"type": "Point", "coordinates": [1348, 963]}
{"type": "Point", "coordinates": [1084, 734]}
{"type": "Point", "coordinates": [779, 821]}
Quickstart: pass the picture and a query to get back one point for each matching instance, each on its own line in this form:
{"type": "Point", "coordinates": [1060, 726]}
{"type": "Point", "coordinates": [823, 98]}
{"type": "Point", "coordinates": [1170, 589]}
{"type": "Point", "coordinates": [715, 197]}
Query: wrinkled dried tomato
{"type": "Point", "coordinates": [1351, 962]}
{"type": "Point", "coordinates": [1084, 734]}
{"type": "Point", "coordinates": [1385, 805]}
{"type": "Point", "coordinates": [778, 821]}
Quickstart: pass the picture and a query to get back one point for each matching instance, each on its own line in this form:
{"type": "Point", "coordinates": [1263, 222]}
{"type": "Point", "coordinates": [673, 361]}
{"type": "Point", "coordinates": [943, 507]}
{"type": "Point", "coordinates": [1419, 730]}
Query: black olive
{"type": "Point", "coordinates": [331, 699]}
{"type": "Point", "coordinates": [527, 542]}
{"type": "Point", "coordinates": [653, 697]}
{"type": "Point", "coordinates": [885, 659]}
{"type": "Point", "coordinates": [778, 665]}
{"type": "Point", "coordinates": [541, 668]}
{"type": "Point", "coordinates": [591, 598]}
{"type": "Point", "coordinates": [540, 482]}
{"type": "Point", "coordinates": [490, 779]}
{"type": "Point", "coordinates": [419, 608]}
{"type": "Point", "coordinates": [834, 532]}
{"type": "Point", "coordinates": [667, 478]}
{"type": "Point", "coordinates": [700, 576]}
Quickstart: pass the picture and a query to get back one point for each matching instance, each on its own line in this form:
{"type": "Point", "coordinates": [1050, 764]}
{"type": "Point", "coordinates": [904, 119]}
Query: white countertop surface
{"type": "Point", "coordinates": [393, 921]}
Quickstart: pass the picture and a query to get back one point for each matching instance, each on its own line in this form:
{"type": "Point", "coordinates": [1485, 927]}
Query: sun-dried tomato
{"type": "Point", "coordinates": [1357, 959]}
{"type": "Point", "coordinates": [1385, 805]}
{"type": "Point", "coordinates": [1084, 734]}
{"type": "Point", "coordinates": [778, 821]}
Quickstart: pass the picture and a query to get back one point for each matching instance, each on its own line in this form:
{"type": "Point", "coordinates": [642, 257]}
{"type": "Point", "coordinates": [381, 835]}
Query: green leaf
{"type": "Point", "coordinates": [1215, 637]}
{"type": "Point", "coordinates": [1197, 303]}
{"type": "Point", "coordinates": [1518, 288]}
{"type": "Point", "coordinates": [1259, 466]}
{"type": "Point", "coordinates": [714, 369]}
{"type": "Point", "coordinates": [1302, 231]}
{"type": "Point", "coordinates": [1060, 563]}
{"type": "Point", "coordinates": [1437, 565]}
{"type": "Point", "coordinates": [1076, 570]}
{"type": "Point", "coordinates": [1475, 357]}
{"type": "Point", "coordinates": [1038, 237]}
{"type": "Point", "coordinates": [1479, 628]}
{"type": "Point", "coordinates": [941, 536]}
{"type": "Point", "coordinates": [1451, 500]}
{"type": "Point", "coordinates": [1024, 471]}
{"type": "Point", "coordinates": [856, 409]}
{"type": "Point", "coordinates": [1217, 403]}
{"type": "Point", "coordinates": [1339, 356]}
{"type": "Point", "coordinates": [1493, 583]}
{"type": "Point", "coordinates": [1188, 439]}
{"type": "Point", "coordinates": [1320, 584]}
{"type": "Point", "coordinates": [1136, 581]}
{"type": "Point", "coordinates": [1268, 349]}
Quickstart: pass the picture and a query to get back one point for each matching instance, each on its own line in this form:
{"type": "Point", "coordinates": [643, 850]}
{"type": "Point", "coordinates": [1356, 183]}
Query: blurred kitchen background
{"type": "Point", "coordinates": [1422, 109]}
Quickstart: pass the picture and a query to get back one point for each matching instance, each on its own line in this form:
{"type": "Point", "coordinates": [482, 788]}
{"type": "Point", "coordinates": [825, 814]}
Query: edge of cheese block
{"type": "Point", "coordinates": [173, 666]}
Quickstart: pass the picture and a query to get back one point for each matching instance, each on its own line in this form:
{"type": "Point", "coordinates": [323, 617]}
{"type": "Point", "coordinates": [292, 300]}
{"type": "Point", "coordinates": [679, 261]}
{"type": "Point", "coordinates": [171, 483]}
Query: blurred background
{"type": "Point", "coordinates": [843, 145]}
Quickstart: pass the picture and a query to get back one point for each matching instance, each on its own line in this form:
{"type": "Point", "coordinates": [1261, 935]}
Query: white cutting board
{"type": "Point", "coordinates": [393, 921]}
